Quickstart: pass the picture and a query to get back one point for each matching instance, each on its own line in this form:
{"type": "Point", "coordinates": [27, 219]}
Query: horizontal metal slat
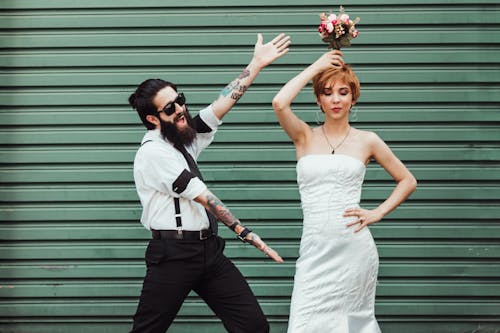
{"type": "Point", "coordinates": [236, 154]}
{"type": "Point", "coordinates": [265, 289]}
{"type": "Point", "coordinates": [264, 269]}
{"type": "Point", "coordinates": [271, 75]}
{"type": "Point", "coordinates": [127, 308]}
{"type": "Point", "coordinates": [241, 134]}
{"type": "Point", "coordinates": [261, 211]}
{"type": "Point", "coordinates": [135, 250]}
{"type": "Point", "coordinates": [388, 324]}
{"type": "Point", "coordinates": [228, 17]}
{"type": "Point", "coordinates": [62, 4]}
{"type": "Point", "coordinates": [157, 56]}
{"type": "Point", "coordinates": [215, 174]}
{"type": "Point", "coordinates": [374, 113]}
{"type": "Point", "coordinates": [269, 230]}
{"type": "Point", "coordinates": [235, 192]}
{"type": "Point", "coordinates": [472, 93]}
{"type": "Point", "coordinates": [238, 37]}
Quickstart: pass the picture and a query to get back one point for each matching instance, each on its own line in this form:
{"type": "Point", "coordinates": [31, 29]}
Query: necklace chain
{"type": "Point", "coordinates": [341, 142]}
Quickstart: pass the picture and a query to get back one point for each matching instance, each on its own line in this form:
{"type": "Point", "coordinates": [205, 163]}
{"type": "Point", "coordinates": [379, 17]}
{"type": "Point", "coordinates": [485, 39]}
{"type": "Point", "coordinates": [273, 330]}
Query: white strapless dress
{"type": "Point", "coordinates": [336, 272]}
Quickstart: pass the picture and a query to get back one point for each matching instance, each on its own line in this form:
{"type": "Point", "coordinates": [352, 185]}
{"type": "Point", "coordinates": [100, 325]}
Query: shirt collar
{"type": "Point", "coordinates": [154, 135]}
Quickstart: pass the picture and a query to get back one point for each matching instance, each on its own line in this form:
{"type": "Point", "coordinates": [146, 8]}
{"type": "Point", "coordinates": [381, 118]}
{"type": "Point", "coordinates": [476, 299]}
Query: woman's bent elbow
{"type": "Point", "coordinates": [278, 104]}
{"type": "Point", "coordinates": [413, 184]}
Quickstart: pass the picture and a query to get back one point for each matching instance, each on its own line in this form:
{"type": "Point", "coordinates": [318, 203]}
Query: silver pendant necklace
{"type": "Point", "coordinates": [341, 142]}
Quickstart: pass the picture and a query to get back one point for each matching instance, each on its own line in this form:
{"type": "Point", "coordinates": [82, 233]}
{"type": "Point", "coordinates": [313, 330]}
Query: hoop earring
{"type": "Point", "coordinates": [353, 113]}
{"type": "Point", "coordinates": [318, 120]}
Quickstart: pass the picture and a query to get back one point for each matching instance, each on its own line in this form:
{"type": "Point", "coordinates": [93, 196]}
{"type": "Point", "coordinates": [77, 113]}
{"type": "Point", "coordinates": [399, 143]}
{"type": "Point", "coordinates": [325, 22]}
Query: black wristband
{"type": "Point", "coordinates": [243, 234]}
{"type": "Point", "coordinates": [234, 225]}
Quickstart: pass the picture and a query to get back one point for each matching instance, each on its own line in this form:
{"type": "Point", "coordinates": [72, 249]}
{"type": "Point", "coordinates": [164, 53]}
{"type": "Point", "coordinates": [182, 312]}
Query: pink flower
{"type": "Point", "coordinates": [344, 18]}
{"type": "Point", "coordinates": [322, 26]}
{"type": "Point", "coordinates": [355, 33]}
{"type": "Point", "coordinates": [329, 27]}
{"type": "Point", "coordinates": [332, 17]}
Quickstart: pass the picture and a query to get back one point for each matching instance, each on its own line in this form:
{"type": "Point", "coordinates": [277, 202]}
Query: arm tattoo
{"type": "Point", "coordinates": [217, 208]}
{"type": "Point", "coordinates": [236, 95]}
{"type": "Point", "coordinates": [244, 74]}
{"type": "Point", "coordinates": [235, 88]}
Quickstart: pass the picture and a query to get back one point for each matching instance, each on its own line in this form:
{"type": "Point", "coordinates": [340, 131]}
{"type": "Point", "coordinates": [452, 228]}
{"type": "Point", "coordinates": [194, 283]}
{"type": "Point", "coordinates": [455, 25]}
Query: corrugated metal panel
{"type": "Point", "coordinates": [72, 246]}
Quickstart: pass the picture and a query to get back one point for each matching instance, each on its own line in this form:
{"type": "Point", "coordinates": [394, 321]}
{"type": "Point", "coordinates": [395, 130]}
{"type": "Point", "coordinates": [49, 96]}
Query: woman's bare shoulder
{"type": "Point", "coordinates": [366, 135]}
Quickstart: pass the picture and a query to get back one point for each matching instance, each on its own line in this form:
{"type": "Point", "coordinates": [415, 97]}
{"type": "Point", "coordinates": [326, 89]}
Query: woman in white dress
{"type": "Point", "coordinates": [336, 273]}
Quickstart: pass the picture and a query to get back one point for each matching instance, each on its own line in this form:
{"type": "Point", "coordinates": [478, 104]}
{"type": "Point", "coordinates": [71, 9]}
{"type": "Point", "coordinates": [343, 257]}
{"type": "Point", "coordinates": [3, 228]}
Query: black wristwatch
{"type": "Point", "coordinates": [243, 234]}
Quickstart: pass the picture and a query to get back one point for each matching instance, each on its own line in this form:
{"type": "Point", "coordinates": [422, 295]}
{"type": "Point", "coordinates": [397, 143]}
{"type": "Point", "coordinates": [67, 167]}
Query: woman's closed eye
{"type": "Point", "coordinates": [344, 91]}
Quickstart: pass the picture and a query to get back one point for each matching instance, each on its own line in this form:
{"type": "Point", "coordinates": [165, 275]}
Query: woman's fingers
{"type": "Point", "coordinates": [360, 215]}
{"type": "Point", "coordinates": [278, 38]}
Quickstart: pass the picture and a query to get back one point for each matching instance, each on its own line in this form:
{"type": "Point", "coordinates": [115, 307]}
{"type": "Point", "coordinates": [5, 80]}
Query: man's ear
{"type": "Point", "coordinates": [153, 120]}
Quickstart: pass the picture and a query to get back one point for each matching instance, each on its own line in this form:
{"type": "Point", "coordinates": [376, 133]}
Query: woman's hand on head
{"type": "Point", "coordinates": [331, 59]}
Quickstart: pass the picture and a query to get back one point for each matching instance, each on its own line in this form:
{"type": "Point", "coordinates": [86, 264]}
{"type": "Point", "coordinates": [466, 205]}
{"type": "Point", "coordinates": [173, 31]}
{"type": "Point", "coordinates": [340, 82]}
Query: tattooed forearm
{"type": "Point", "coordinates": [244, 74]}
{"type": "Point", "coordinates": [236, 88]}
{"type": "Point", "coordinates": [236, 95]}
{"type": "Point", "coordinates": [255, 240]}
{"type": "Point", "coordinates": [217, 208]}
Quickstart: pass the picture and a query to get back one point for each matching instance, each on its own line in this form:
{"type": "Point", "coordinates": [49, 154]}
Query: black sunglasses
{"type": "Point", "coordinates": [169, 109]}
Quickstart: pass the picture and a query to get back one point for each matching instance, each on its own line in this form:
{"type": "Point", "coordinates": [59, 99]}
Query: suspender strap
{"type": "Point", "coordinates": [196, 171]}
{"type": "Point", "coordinates": [178, 218]}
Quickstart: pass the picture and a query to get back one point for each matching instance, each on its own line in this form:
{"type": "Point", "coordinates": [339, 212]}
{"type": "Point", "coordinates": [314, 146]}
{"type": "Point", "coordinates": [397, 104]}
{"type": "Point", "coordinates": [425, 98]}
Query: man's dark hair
{"type": "Point", "coordinates": [142, 99]}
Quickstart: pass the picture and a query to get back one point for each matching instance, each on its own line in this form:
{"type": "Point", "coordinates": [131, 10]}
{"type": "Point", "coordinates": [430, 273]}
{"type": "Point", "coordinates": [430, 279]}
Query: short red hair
{"type": "Point", "coordinates": [344, 74]}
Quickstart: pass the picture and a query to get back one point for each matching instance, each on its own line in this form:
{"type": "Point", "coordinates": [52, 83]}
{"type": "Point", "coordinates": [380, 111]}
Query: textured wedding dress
{"type": "Point", "coordinates": [336, 273]}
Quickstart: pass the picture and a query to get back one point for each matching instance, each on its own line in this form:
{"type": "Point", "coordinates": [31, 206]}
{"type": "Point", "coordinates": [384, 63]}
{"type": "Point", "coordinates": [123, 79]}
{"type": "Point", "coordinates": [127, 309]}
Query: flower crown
{"type": "Point", "coordinates": [337, 29]}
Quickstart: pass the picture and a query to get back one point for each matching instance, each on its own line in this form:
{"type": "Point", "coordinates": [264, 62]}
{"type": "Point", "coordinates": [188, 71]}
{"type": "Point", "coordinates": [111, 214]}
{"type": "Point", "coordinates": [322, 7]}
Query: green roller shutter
{"type": "Point", "coordinates": [72, 245]}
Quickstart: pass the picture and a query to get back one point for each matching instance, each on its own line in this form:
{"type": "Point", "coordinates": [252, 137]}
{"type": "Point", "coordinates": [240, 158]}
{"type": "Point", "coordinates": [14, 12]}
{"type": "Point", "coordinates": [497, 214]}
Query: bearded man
{"type": "Point", "coordinates": [185, 254]}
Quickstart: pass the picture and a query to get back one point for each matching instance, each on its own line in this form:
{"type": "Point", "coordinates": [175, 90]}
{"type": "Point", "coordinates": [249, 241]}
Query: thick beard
{"type": "Point", "coordinates": [171, 133]}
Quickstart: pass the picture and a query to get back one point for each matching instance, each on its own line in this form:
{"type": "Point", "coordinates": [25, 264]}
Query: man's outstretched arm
{"type": "Point", "coordinates": [264, 54]}
{"type": "Point", "coordinates": [216, 207]}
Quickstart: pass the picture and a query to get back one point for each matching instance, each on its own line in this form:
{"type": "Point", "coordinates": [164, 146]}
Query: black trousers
{"type": "Point", "coordinates": [175, 267]}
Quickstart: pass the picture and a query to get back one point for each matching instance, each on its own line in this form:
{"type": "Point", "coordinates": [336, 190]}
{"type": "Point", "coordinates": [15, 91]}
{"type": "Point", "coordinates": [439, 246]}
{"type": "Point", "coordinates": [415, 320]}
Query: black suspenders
{"type": "Point", "coordinates": [177, 205]}
{"type": "Point", "coordinates": [178, 218]}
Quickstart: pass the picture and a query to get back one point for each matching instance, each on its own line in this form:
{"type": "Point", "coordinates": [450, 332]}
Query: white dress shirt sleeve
{"type": "Point", "coordinates": [157, 168]}
{"type": "Point", "coordinates": [208, 116]}
{"type": "Point", "coordinates": [203, 140]}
